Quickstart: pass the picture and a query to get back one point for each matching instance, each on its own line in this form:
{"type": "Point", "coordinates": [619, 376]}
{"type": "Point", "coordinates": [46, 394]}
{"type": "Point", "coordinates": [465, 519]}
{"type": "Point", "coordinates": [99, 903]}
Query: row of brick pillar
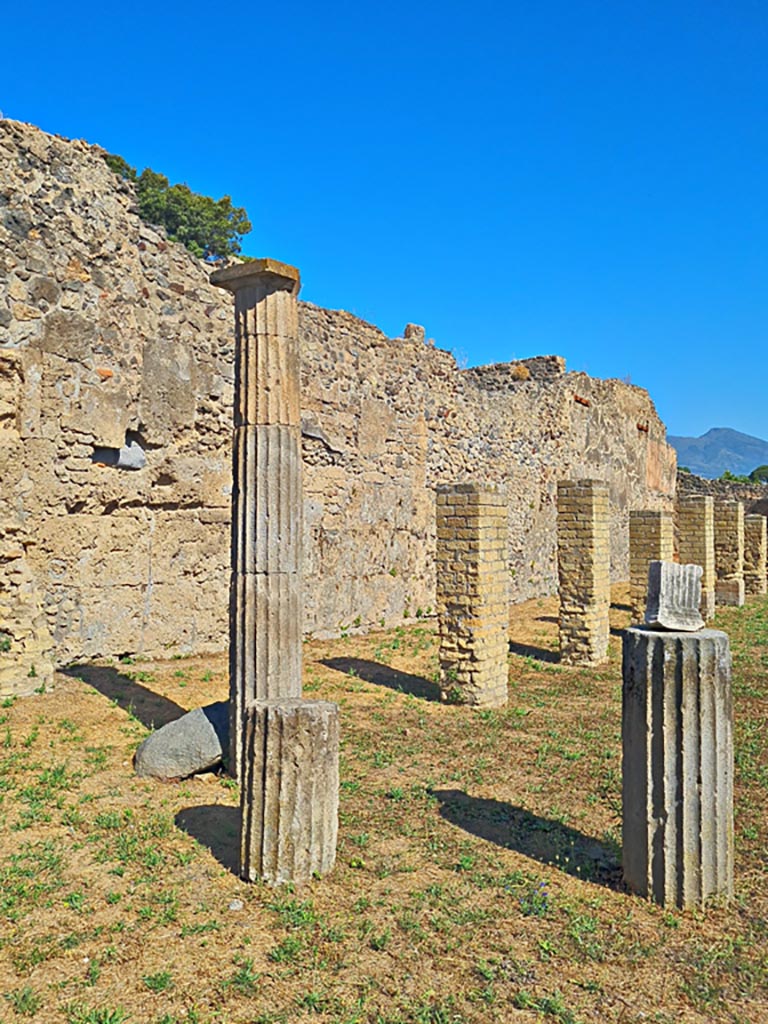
{"type": "Point", "coordinates": [473, 579]}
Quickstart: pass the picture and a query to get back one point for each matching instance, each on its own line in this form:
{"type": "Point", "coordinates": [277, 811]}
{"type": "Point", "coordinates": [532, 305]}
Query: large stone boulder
{"type": "Point", "coordinates": [193, 743]}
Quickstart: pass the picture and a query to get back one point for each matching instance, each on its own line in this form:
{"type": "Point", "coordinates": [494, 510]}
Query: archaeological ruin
{"type": "Point", "coordinates": [116, 396]}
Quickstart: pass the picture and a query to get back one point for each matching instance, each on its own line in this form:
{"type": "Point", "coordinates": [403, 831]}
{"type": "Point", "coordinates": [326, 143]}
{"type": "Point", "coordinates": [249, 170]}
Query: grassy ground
{"type": "Point", "coordinates": [478, 874]}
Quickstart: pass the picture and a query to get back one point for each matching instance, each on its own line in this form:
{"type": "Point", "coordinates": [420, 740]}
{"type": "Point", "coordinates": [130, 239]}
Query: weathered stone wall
{"type": "Point", "coordinates": [121, 353]}
{"type": "Point", "coordinates": [689, 483]}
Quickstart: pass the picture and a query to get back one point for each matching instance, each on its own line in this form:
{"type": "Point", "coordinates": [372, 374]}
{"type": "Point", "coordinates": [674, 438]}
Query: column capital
{"type": "Point", "coordinates": [245, 275]}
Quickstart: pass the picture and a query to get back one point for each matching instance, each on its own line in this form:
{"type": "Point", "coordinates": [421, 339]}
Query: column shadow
{"type": "Point", "coordinates": [384, 675]}
{"type": "Point", "coordinates": [151, 709]}
{"type": "Point", "coordinates": [532, 651]}
{"type": "Point", "coordinates": [542, 839]}
{"type": "Point", "coordinates": [217, 827]}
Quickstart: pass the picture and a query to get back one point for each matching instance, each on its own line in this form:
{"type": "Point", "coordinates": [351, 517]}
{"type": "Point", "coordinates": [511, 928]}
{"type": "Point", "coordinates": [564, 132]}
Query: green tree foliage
{"type": "Point", "coordinates": [733, 478]}
{"type": "Point", "coordinates": [759, 475]}
{"type": "Point", "coordinates": [207, 227]}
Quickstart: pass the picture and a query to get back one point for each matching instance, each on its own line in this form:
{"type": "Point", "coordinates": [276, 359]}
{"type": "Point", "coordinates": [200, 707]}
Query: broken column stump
{"type": "Point", "coordinates": [584, 570]}
{"type": "Point", "coordinates": [677, 740]}
{"type": "Point", "coordinates": [651, 538]}
{"type": "Point", "coordinates": [755, 547]}
{"type": "Point", "coordinates": [290, 791]}
{"type": "Point", "coordinates": [729, 553]}
{"type": "Point", "coordinates": [472, 576]}
{"type": "Point", "coordinates": [696, 544]}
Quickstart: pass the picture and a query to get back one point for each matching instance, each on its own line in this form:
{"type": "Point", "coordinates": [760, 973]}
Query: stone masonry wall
{"type": "Point", "coordinates": [120, 352]}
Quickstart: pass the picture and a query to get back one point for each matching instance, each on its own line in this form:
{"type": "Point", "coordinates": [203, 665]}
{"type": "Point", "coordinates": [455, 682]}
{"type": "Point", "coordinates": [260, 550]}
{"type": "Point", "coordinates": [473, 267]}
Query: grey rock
{"type": "Point", "coordinates": [131, 456]}
{"type": "Point", "coordinates": [190, 744]}
{"type": "Point", "coordinates": [674, 597]}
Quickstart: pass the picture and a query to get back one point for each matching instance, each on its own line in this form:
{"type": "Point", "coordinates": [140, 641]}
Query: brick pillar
{"type": "Point", "coordinates": [696, 544]}
{"type": "Point", "coordinates": [651, 539]}
{"type": "Point", "coordinates": [677, 772]}
{"type": "Point", "coordinates": [472, 594]}
{"type": "Point", "coordinates": [265, 596]}
{"type": "Point", "coordinates": [584, 570]}
{"type": "Point", "coordinates": [755, 545]}
{"type": "Point", "coordinates": [729, 552]}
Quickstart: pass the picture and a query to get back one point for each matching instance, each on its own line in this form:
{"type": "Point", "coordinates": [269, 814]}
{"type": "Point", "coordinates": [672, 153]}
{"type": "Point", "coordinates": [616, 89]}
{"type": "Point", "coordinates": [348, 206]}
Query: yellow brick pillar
{"type": "Point", "coordinates": [584, 570]}
{"type": "Point", "coordinates": [729, 553]}
{"type": "Point", "coordinates": [651, 539]}
{"type": "Point", "coordinates": [472, 594]}
{"type": "Point", "coordinates": [696, 544]}
{"type": "Point", "coordinates": [755, 544]}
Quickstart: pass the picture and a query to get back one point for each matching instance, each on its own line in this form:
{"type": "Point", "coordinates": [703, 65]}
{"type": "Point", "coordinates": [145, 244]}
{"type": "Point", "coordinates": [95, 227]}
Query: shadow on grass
{"type": "Point", "coordinates": [384, 675]}
{"type": "Point", "coordinates": [216, 827]}
{"type": "Point", "coordinates": [543, 839]}
{"type": "Point", "coordinates": [151, 709]}
{"type": "Point", "coordinates": [531, 651]}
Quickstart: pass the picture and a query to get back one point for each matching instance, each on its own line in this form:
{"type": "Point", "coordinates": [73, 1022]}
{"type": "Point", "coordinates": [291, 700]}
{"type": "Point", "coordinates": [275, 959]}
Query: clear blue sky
{"type": "Point", "coordinates": [552, 176]}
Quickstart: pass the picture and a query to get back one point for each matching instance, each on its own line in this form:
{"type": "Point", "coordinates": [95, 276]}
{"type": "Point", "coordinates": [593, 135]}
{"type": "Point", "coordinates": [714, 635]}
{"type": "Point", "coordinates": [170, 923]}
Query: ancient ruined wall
{"type": "Point", "coordinates": [121, 353]}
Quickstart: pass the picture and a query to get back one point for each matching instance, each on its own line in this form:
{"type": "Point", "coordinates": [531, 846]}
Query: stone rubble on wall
{"type": "Point", "coordinates": [120, 340]}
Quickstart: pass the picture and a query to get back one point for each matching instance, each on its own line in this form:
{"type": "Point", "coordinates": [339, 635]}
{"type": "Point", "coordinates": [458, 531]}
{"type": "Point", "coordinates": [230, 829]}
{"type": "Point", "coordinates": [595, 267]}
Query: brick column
{"type": "Point", "coordinates": [472, 594]}
{"type": "Point", "coordinates": [584, 570]}
{"type": "Point", "coordinates": [677, 772]}
{"type": "Point", "coordinates": [696, 544]}
{"type": "Point", "coordinates": [265, 596]}
{"type": "Point", "coordinates": [755, 544]}
{"type": "Point", "coordinates": [651, 539]}
{"type": "Point", "coordinates": [729, 553]}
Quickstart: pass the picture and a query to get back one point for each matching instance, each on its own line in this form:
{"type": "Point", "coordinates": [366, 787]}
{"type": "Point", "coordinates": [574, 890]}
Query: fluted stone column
{"type": "Point", "coordinates": [266, 614]}
{"type": "Point", "coordinates": [472, 582]}
{"type": "Point", "coordinates": [677, 739]}
{"type": "Point", "coordinates": [755, 546]}
{"type": "Point", "coordinates": [584, 570]}
{"type": "Point", "coordinates": [696, 544]}
{"type": "Point", "coordinates": [290, 791]}
{"type": "Point", "coordinates": [284, 751]}
{"type": "Point", "coordinates": [651, 539]}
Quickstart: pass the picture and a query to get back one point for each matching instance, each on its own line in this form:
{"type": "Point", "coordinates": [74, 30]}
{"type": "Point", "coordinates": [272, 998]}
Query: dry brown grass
{"type": "Point", "coordinates": [477, 877]}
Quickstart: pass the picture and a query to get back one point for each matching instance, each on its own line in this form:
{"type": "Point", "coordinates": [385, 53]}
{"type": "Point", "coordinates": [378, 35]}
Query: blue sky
{"type": "Point", "coordinates": [582, 178]}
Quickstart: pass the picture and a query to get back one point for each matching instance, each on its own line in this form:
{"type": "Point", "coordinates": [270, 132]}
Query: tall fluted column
{"type": "Point", "coordinates": [677, 740]}
{"type": "Point", "coordinates": [265, 598]}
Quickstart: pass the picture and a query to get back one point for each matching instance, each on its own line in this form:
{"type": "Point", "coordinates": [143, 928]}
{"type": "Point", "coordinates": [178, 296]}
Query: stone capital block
{"type": "Point", "coordinates": [583, 562]}
{"type": "Point", "coordinates": [472, 594]}
{"type": "Point", "coordinates": [677, 772]}
{"type": "Point", "coordinates": [651, 538]}
{"type": "Point", "coordinates": [696, 544]}
{"type": "Point", "coordinates": [290, 791]}
{"type": "Point", "coordinates": [755, 548]}
{"type": "Point", "coordinates": [674, 597]}
{"type": "Point", "coordinates": [266, 341]}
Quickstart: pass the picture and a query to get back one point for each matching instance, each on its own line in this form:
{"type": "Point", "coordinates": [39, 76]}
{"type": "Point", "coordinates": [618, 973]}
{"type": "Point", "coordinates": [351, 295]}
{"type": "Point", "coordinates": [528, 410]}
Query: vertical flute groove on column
{"type": "Point", "coordinates": [696, 544]}
{"type": "Point", "coordinates": [651, 539]}
{"type": "Point", "coordinates": [729, 552]}
{"type": "Point", "coordinates": [755, 548]}
{"type": "Point", "coordinates": [584, 570]}
{"type": "Point", "coordinates": [677, 772]}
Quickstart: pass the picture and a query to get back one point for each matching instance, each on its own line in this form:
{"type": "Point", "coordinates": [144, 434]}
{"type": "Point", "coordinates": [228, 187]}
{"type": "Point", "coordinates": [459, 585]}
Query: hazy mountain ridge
{"type": "Point", "coordinates": [719, 449]}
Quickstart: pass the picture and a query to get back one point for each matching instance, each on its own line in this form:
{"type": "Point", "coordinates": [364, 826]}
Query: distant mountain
{"type": "Point", "coordinates": [719, 449]}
